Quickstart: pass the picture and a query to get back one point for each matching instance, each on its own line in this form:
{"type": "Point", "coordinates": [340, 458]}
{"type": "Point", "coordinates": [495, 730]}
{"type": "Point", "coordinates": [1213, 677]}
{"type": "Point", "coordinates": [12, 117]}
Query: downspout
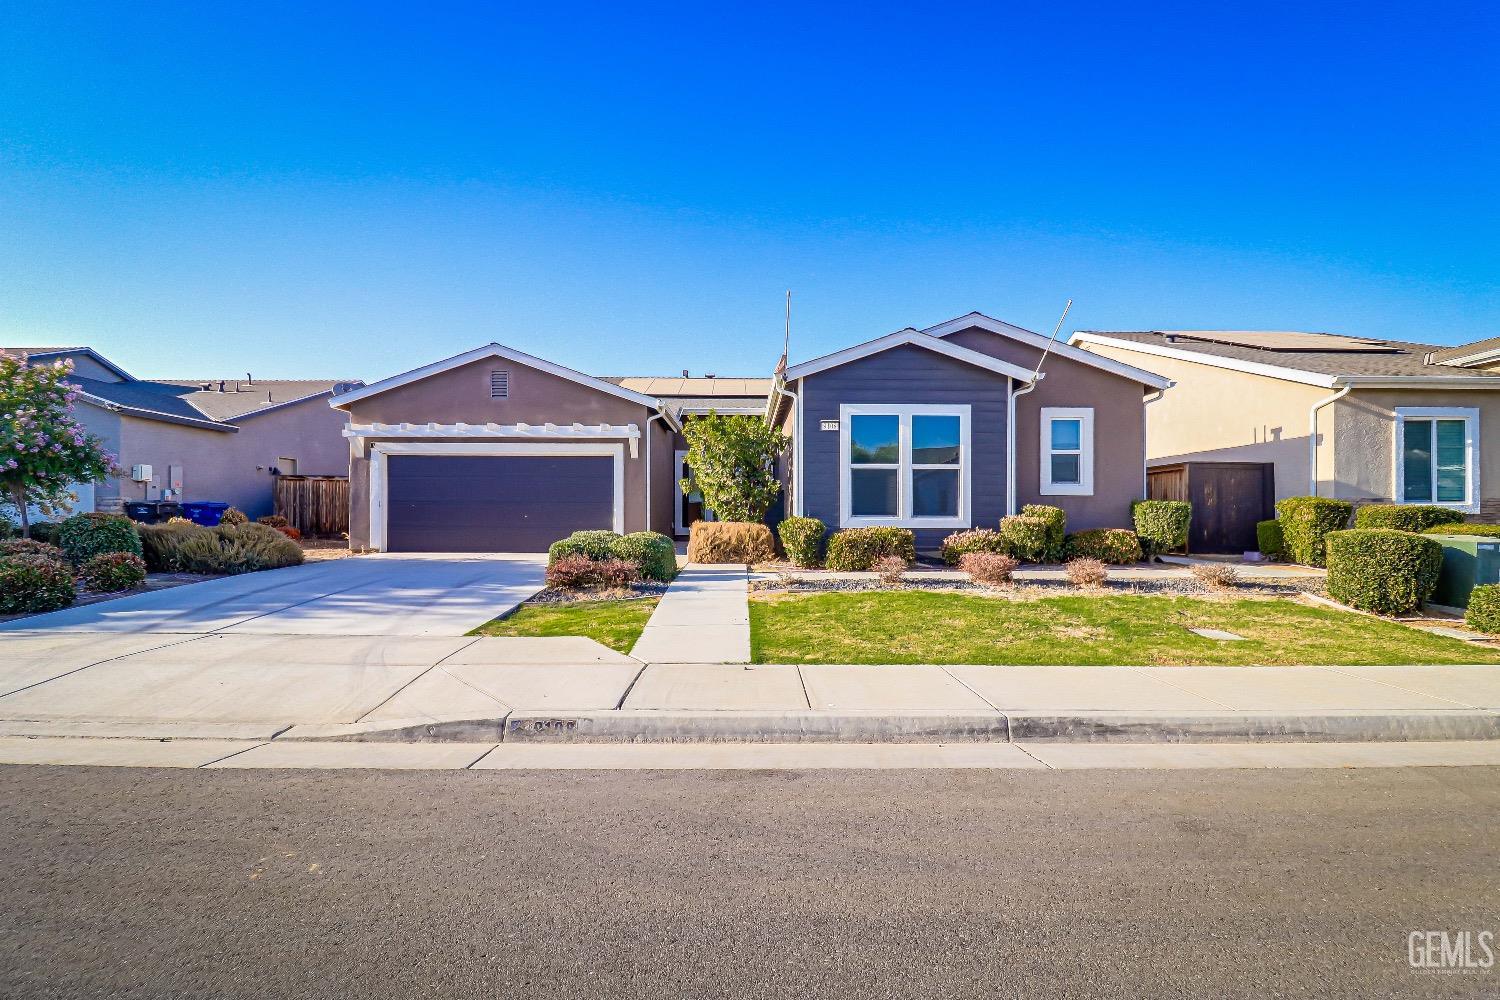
{"type": "Point", "coordinates": [1312, 436]}
{"type": "Point", "coordinates": [1146, 401]}
{"type": "Point", "coordinates": [1010, 444]}
{"type": "Point", "coordinates": [796, 448]}
{"type": "Point", "coordinates": [652, 419]}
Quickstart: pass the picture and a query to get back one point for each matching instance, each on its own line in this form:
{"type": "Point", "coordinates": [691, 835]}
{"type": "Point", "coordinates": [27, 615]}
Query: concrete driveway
{"type": "Point", "coordinates": [433, 595]}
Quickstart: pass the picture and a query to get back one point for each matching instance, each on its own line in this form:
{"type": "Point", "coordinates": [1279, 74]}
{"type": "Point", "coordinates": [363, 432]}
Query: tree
{"type": "Point", "coordinates": [43, 449]}
{"type": "Point", "coordinates": [733, 461]}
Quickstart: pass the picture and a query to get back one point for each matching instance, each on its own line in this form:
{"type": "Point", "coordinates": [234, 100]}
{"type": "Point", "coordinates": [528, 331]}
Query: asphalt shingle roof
{"type": "Point", "coordinates": [1400, 357]}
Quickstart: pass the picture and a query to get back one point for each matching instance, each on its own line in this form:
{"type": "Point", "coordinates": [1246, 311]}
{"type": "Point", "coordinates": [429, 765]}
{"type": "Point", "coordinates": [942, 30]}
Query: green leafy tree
{"type": "Point", "coordinates": [733, 460]}
{"type": "Point", "coordinates": [43, 449]}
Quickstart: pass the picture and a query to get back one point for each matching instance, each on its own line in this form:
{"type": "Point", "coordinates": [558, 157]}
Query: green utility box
{"type": "Point", "coordinates": [1468, 561]}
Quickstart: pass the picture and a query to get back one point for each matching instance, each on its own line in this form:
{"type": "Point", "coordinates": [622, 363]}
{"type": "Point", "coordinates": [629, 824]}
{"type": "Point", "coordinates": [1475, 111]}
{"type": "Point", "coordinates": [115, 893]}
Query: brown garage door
{"type": "Point", "coordinates": [494, 504]}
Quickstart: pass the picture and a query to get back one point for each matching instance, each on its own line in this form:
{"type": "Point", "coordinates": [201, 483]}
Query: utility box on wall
{"type": "Point", "coordinates": [1468, 561]}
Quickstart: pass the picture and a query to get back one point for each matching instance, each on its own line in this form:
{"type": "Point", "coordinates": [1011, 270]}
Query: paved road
{"type": "Point", "coordinates": [368, 595]}
{"type": "Point", "coordinates": [127, 883]}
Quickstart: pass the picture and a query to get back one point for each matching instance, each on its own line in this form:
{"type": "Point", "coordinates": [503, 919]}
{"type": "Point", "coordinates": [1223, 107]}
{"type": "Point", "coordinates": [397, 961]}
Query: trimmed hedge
{"type": "Point", "coordinates": [1404, 517]}
{"type": "Point", "coordinates": [84, 536]}
{"type": "Point", "coordinates": [109, 572]}
{"type": "Point", "coordinates": [802, 538]}
{"type": "Point", "coordinates": [652, 554]}
{"type": "Point", "coordinates": [1306, 523]}
{"type": "Point", "coordinates": [1483, 530]}
{"type": "Point", "coordinates": [594, 544]}
{"type": "Point", "coordinates": [961, 543]}
{"type": "Point", "coordinates": [1115, 546]}
{"type": "Point", "coordinates": [1483, 613]}
{"type": "Point", "coordinates": [730, 542]}
{"type": "Point", "coordinates": [1161, 525]}
{"type": "Point", "coordinates": [1268, 539]}
{"type": "Point", "coordinates": [1026, 537]}
{"type": "Point", "coordinates": [1382, 570]}
{"type": "Point", "coordinates": [31, 583]}
{"type": "Point", "coordinates": [854, 550]}
{"type": "Point", "coordinates": [1057, 528]}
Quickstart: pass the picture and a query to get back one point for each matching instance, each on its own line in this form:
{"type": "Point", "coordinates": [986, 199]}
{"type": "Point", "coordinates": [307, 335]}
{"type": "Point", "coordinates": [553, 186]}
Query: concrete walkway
{"type": "Point", "coordinates": [704, 617]}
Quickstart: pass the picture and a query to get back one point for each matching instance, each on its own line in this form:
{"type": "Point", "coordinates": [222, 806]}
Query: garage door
{"type": "Point", "coordinates": [494, 504]}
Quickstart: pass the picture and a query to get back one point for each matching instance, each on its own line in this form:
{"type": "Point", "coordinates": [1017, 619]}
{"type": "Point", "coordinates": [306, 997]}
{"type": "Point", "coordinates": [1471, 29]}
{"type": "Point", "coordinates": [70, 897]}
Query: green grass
{"type": "Point", "coordinates": [616, 624]}
{"type": "Point", "coordinates": [921, 627]}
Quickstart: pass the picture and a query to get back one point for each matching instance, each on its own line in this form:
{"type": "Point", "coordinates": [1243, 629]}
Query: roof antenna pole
{"type": "Point", "coordinates": [1048, 349]}
{"type": "Point", "coordinates": [786, 341]}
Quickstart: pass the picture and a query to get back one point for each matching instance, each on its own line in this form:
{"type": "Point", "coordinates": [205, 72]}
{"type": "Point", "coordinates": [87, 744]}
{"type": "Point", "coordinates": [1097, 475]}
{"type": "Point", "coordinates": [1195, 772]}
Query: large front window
{"type": "Point", "coordinates": [905, 465]}
{"type": "Point", "coordinates": [1436, 451]}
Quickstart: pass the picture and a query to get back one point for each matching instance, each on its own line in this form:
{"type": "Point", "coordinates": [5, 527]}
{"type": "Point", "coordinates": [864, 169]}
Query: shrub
{"type": "Point", "coordinates": [855, 550]}
{"type": "Point", "coordinates": [1404, 517]}
{"type": "Point", "coordinates": [1483, 613]}
{"type": "Point", "coordinates": [1089, 573]}
{"type": "Point", "coordinates": [233, 516]}
{"type": "Point", "coordinates": [45, 531]}
{"type": "Point", "coordinates": [594, 544]}
{"type": "Point", "coordinates": [30, 547]}
{"type": "Point", "coordinates": [1268, 539]}
{"type": "Point", "coordinates": [1115, 546]}
{"type": "Point", "coordinates": [228, 548]}
{"type": "Point", "coordinates": [249, 548]}
{"type": "Point", "coordinates": [1381, 570]}
{"type": "Point", "coordinates": [802, 538]}
{"type": "Point", "coordinates": [1305, 524]}
{"type": "Point", "coordinates": [160, 544]}
{"type": "Point", "coordinates": [960, 543]}
{"type": "Point", "coordinates": [1057, 528]}
{"type": "Point", "coordinates": [1161, 525]}
{"type": "Point", "coordinates": [112, 571]}
{"type": "Point", "coordinates": [579, 572]}
{"type": "Point", "coordinates": [730, 542]}
{"type": "Point", "coordinates": [273, 521]}
{"type": "Point", "coordinates": [992, 569]}
{"type": "Point", "coordinates": [1216, 576]}
{"type": "Point", "coordinates": [1025, 537]}
{"type": "Point", "coordinates": [733, 461]}
{"type": "Point", "coordinates": [31, 583]}
{"type": "Point", "coordinates": [286, 530]}
{"type": "Point", "coordinates": [84, 536]}
{"type": "Point", "coordinates": [891, 569]}
{"type": "Point", "coordinates": [1483, 530]}
{"type": "Point", "coordinates": [653, 555]}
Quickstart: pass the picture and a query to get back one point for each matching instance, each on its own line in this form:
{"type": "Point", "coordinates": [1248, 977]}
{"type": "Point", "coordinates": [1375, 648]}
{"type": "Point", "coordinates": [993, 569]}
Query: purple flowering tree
{"type": "Point", "coordinates": [43, 449]}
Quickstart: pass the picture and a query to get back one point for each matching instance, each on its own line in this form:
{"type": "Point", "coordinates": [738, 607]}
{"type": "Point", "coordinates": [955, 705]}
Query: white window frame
{"type": "Point", "coordinates": [1085, 485]}
{"type": "Point", "coordinates": [904, 466]}
{"type": "Point", "coordinates": [1470, 416]}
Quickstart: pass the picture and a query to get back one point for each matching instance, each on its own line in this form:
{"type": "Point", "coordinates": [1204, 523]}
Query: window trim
{"type": "Point", "coordinates": [1085, 485]}
{"type": "Point", "coordinates": [904, 465]}
{"type": "Point", "coordinates": [1470, 416]}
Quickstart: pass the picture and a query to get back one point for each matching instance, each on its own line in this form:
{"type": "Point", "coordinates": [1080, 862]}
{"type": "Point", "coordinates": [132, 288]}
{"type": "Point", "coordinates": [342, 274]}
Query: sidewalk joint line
{"type": "Point", "coordinates": [1402, 687]}
{"type": "Point", "coordinates": [963, 684]}
{"type": "Point", "coordinates": [802, 679]}
{"type": "Point", "coordinates": [191, 637]}
{"type": "Point", "coordinates": [481, 757]}
{"type": "Point", "coordinates": [1022, 748]}
{"type": "Point", "coordinates": [237, 752]}
{"type": "Point", "coordinates": [1178, 687]}
{"type": "Point", "coordinates": [620, 704]}
{"type": "Point", "coordinates": [435, 664]}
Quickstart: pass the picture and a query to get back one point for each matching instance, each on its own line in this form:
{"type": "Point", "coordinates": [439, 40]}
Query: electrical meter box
{"type": "Point", "coordinates": [1468, 561]}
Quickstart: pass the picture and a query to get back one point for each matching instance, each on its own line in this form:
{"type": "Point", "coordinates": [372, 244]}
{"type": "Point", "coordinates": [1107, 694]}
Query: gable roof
{"type": "Point", "coordinates": [1060, 348]}
{"type": "Point", "coordinates": [1477, 352]}
{"type": "Point", "coordinates": [37, 355]}
{"type": "Point", "coordinates": [491, 350]}
{"type": "Point", "coordinates": [187, 402]}
{"type": "Point", "coordinates": [908, 338]}
{"type": "Point", "coordinates": [1274, 355]}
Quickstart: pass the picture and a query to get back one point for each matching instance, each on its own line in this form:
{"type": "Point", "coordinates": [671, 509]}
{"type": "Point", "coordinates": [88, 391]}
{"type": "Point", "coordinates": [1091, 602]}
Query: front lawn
{"type": "Point", "coordinates": [926, 627]}
{"type": "Point", "coordinates": [616, 624]}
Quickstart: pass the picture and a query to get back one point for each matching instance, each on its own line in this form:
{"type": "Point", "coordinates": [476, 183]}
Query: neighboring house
{"type": "Point", "coordinates": [496, 450]}
{"type": "Point", "coordinates": [1356, 418]}
{"type": "Point", "coordinates": [209, 439]}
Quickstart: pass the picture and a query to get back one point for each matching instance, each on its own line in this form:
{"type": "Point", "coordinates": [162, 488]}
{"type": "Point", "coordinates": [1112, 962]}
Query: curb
{"type": "Point", "coordinates": [664, 726]}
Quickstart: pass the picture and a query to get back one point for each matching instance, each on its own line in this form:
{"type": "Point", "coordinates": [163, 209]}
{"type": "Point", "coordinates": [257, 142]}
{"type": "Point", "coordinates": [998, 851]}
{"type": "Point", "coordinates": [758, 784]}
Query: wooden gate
{"type": "Point", "coordinates": [314, 505]}
{"type": "Point", "coordinates": [1228, 499]}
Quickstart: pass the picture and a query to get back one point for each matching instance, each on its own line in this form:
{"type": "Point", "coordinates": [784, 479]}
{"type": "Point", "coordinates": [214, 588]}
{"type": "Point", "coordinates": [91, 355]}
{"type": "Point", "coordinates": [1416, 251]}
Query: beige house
{"type": "Point", "coordinates": [1348, 417]}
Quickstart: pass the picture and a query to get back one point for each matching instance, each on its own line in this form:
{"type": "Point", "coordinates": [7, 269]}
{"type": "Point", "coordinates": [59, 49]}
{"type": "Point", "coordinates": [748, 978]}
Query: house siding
{"type": "Point", "coordinates": [905, 376]}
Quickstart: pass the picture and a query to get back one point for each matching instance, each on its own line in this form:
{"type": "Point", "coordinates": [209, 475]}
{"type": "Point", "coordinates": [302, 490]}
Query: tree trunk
{"type": "Point", "coordinates": [18, 494]}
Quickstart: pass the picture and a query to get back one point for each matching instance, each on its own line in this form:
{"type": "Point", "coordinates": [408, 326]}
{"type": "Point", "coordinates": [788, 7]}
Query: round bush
{"type": "Point", "coordinates": [1306, 523]}
{"type": "Point", "coordinates": [112, 571]}
{"type": "Point", "coordinates": [233, 516]}
{"type": "Point", "coordinates": [1483, 613]}
{"type": "Point", "coordinates": [1161, 525]}
{"type": "Point", "coordinates": [802, 538]}
{"type": "Point", "coordinates": [1268, 539]}
{"type": "Point", "coordinates": [593, 544]}
{"type": "Point", "coordinates": [854, 550]}
{"type": "Point", "coordinates": [1380, 570]}
{"type": "Point", "coordinates": [961, 543]}
{"type": "Point", "coordinates": [1405, 517]}
{"type": "Point", "coordinates": [992, 569]}
{"type": "Point", "coordinates": [652, 554]}
{"type": "Point", "coordinates": [31, 547]}
{"type": "Point", "coordinates": [1115, 546]}
{"type": "Point", "coordinates": [1025, 536]}
{"type": "Point", "coordinates": [1089, 574]}
{"type": "Point", "coordinates": [84, 536]}
{"type": "Point", "coordinates": [31, 583]}
{"type": "Point", "coordinates": [1056, 520]}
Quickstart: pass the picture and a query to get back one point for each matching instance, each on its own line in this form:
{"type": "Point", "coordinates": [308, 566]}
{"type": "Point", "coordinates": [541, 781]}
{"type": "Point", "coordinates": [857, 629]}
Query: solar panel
{"type": "Point", "coordinates": [1286, 341]}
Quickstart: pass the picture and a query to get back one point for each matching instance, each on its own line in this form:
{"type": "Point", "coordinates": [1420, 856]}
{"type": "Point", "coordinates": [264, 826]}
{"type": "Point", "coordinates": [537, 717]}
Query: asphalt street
{"type": "Point", "coordinates": [124, 883]}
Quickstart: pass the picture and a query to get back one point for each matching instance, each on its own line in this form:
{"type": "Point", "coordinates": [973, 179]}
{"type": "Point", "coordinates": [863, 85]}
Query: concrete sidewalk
{"type": "Point", "coordinates": [704, 617]}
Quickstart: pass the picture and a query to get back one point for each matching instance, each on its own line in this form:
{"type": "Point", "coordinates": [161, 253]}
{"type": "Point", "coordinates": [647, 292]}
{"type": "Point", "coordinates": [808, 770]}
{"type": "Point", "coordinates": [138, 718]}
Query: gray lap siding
{"type": "Point", "coordinates": [905, 376]}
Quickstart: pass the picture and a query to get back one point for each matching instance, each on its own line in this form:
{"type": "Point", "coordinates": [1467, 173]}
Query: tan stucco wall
{"type": "Point", "coordinates": [1213, 414]}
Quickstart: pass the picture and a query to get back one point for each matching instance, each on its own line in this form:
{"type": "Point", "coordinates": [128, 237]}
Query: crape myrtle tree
{"type": "Point", "coordinates": [733, 461]}
{"type": "Point", "coordinates": [43, 449]}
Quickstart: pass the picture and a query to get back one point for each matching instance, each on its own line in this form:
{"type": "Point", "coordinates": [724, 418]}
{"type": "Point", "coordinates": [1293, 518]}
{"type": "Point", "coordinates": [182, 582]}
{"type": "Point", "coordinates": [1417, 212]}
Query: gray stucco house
{"type": "Point", "coordinates": [936, 430]}
{"type": "Point", "coordinates": [208, 439]}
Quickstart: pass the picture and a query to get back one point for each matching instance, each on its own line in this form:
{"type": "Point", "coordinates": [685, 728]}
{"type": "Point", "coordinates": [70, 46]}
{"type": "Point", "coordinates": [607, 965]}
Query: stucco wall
{"type": "Point", "coordinates": [1217, 415]}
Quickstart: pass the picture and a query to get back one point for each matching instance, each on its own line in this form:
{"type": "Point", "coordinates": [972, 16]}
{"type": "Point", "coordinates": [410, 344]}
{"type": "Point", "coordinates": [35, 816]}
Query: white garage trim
{"type": "Point", "coordinates": [380, 478]}
{"type": "Point", "coordinates": [359, 433]}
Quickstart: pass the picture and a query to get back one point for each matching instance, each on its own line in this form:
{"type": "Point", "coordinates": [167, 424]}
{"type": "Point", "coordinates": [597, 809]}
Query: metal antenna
{"type": "Point", "coordinates": [786, 342]}
{"type": "Point", "coordinates": [1048, 349]}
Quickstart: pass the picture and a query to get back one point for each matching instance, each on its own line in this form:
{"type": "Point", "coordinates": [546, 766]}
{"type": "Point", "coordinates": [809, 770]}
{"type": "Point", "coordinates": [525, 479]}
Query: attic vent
{"type": "Point", "coordinates": [499, 385]}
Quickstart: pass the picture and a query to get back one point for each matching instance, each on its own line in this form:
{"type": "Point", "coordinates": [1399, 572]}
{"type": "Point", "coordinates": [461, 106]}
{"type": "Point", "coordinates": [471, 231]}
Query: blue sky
{"type": "Point", "coordinates": [218, 188]}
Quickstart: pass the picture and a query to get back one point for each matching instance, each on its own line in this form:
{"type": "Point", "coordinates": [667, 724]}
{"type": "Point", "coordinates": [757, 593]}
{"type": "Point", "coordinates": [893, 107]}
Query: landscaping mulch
{"type": "Point", "coordinates": [634, 592]}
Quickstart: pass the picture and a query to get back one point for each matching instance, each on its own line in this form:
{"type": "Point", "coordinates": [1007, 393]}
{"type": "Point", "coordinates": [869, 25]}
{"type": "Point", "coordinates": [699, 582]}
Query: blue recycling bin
{"type": "Point", "coordinates": [204, 512]}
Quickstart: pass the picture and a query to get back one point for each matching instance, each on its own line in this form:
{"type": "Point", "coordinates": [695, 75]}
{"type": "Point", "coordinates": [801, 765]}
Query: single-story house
{"type": "Point", "coordinates": [202, 439]}
{"type": "Point", "coordinates": [937, 430]}
{"type": "Point", "coordinates": [1357, 418]}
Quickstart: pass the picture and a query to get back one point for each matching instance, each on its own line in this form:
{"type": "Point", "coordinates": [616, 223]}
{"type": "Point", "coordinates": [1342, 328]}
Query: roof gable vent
{"type": "Point", "coordinates": [499, 384]}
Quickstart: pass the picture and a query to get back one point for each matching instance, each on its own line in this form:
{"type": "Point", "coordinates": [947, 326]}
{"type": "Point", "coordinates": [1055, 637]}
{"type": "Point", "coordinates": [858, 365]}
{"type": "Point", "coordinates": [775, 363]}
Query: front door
{"type": "Point", "coordinates": [689, 505]}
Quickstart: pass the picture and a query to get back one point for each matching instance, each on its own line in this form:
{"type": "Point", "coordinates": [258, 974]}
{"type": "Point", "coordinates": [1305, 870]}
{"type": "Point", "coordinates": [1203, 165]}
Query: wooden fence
{"type": "Point", "coordinates": [314, 505]}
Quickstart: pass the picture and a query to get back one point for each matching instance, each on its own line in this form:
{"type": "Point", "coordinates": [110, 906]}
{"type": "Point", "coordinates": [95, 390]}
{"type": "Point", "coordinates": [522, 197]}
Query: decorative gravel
{"type": "Point", "coordinates": [634, 592]}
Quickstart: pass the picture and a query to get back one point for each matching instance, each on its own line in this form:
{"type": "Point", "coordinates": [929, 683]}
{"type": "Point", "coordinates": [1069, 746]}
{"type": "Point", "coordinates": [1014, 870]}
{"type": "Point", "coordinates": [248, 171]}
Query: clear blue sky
{"type": "Point", "coordinates": [361, 189]}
